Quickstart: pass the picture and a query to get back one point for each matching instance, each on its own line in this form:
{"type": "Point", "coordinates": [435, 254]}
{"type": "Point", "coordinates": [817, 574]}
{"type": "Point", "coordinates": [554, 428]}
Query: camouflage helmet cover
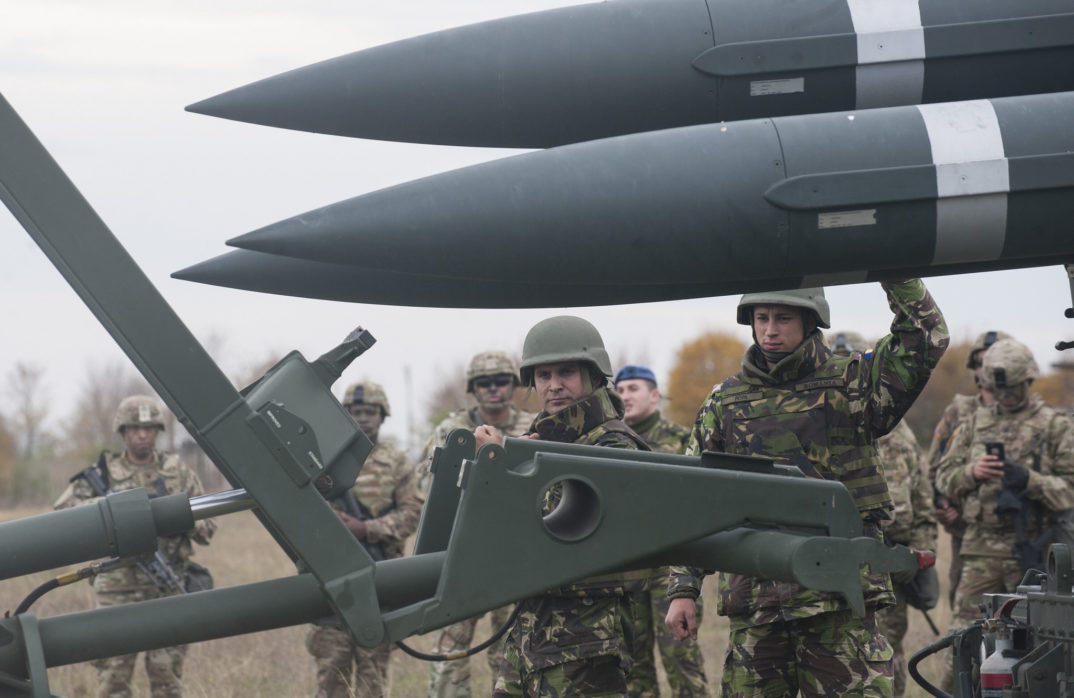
{"type": "Point", "coordinates": [845, 343]}
{"type": "Point", "coordinates": [563, 338]}
{"type": "Point", "coordinates": [1008, 363]}
{"type": "Point", "coordinates": [807, 298]}
{"type": "Point", "coordinates": [983, 341]}
{"type": "Point", "coordinates": [490, 363]}
{"type": "Point", "coordinates": [367, 393]}
{"type": "Point", "coordinates": [138, 411]}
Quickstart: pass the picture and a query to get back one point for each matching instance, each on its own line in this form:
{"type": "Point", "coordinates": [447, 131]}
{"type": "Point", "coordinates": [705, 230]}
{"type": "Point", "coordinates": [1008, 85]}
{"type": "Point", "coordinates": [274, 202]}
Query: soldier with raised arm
{"type": "Point", "coordinates": [798, 403]}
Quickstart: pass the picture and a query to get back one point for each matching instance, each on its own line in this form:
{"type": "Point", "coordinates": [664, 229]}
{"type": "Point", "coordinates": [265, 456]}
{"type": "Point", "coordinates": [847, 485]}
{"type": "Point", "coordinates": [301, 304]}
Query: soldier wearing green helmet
{"type": "Point", "coordinates": [576, 640]}
{"type": "Point", "coordinates": [961, 407]}
{"type": "Point", "coordinates": [139, 421]}
{"type": "Point", "coordinates": [796, 402]}
{"type": "Point", "coordinates": [381, 511]}
{"type": "Point", "coordinates": [1010, 469]}
{"type": "Point", "coordinates": [491, 378]}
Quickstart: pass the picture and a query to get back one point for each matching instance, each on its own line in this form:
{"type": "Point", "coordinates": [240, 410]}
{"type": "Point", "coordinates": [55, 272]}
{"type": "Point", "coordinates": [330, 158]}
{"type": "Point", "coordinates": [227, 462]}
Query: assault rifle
{"type": "Point", "coordinates": [354, 508]}
{"type": "Point", "coordinates": [156, 568]}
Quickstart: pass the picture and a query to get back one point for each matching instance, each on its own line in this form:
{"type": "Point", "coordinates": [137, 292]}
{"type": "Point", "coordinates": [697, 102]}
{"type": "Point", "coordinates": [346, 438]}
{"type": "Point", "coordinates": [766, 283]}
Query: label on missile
{"type": "Point", "coordinates": [846, 219]}
{"type": "Point", "coordinates": [786, 86]}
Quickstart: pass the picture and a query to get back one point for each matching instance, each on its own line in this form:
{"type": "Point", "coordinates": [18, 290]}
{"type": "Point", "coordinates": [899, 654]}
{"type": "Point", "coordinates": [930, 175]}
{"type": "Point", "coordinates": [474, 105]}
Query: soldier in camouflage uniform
{"type": "Point", "coordinates": [957, 412]}
{"type": "Point", "coordinates": [139, 421]}
{"type": "Point", "coordinates": [796, 402]}
{"type": "Point", "coordinates": [682, 661]}
{"type": "Point", "coordinates": [576, 640]}
{"type": "Point", "coordinates": [912, 524]}
{"type": "Point", "coordinates": [386, 494]}
{"type": "Point", "coordinates": [1029, 489]}
{"type": "Point", "coordinates": [491, 378]}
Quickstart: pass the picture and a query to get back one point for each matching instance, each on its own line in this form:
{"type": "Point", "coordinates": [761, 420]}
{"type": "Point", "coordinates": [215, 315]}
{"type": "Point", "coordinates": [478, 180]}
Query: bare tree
{"type": "Point", "coordinates": [30, 408]}
{"type": "Point", "coordinates": [89, 427]}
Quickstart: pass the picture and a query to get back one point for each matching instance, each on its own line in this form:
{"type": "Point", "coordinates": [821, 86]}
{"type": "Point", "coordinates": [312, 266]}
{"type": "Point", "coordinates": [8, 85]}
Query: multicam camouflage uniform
{"type": "Point", "coordinates": [386, 487]}
{"type": "Point", "coordinates": [452, 679]}
{"type": "Point", "coordinates": [164, 474]}
{"type": "Point", "coordinates": [913, 524]}
{"type": "Point", "coordinates": [821, 413]}
{"type": "Point", "coordinates": [960, 409]}
{"type": "Point", "coordinates": [683, 663]}
{"type": "Point", "coordinates": [1041, 439]}
{"type": "Point", "coordinates": [576, 640]}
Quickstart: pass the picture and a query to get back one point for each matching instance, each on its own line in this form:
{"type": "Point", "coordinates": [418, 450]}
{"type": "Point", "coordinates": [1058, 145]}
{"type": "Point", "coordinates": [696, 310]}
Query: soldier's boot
{"type": "Point", "coordinates": [452, 679]}
{"type": "Point", "coordinates": [164, 667]}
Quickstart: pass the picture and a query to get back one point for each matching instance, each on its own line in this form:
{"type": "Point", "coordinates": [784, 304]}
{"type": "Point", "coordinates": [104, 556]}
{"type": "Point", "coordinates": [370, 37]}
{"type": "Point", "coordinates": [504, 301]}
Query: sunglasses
{"type": "Point", "coordinates": [500, 381]}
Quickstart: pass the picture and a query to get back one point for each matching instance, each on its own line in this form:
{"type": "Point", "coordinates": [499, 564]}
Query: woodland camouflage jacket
{"type": "Point", "coordinates": [823, 414]}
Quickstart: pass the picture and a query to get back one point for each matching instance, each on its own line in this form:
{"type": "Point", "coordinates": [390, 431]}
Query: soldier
{"type": "Point", "coordinates": [683, 663]}
{"type": "Point", "coordinates": [491, 378]}
{"type": "Point", "coordinates": [796, 402]}
{"type": "Point", "coordinates": [957, 412]}
{"type": "Point", "coordinates": [139, 421]}
{"type": "Point", "coordinates": [574, 641]}
{"type": "Point", "coordinates": [1012, 495]}
{"type": "Point", "coordinates": [912, 524]}
{"type": "Point", "coordinates": [383, 512]}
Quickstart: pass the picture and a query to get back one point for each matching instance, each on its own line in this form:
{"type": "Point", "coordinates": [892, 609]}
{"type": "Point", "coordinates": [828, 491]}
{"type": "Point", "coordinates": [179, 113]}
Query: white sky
{"type": "Point", "coordinates": [103, 85]}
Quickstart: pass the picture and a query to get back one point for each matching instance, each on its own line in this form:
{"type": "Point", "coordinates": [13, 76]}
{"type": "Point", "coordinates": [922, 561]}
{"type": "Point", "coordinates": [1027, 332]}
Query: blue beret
{"type": "Point", "coordinates": [629, 372]}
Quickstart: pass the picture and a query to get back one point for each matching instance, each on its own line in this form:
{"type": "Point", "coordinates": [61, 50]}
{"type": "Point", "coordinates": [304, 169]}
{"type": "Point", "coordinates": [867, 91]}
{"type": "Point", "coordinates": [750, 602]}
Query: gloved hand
{"type": "Point", "coordinates": [1008, 502]}
{"type": "Point", "coordinates": [903, 577]}
{"type": "Point", "coordinates": [923, 591]}
{"type": "Point", "coordinates": [1015, 477]}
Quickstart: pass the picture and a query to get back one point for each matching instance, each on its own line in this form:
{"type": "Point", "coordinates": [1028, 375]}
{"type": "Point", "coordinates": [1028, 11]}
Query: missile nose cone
{"type": "Point", "coordinates": [531, 81]}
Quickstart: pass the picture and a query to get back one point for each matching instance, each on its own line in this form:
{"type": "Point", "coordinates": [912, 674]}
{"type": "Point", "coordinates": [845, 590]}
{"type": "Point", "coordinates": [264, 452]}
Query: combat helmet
{"type": "Point", "coordinates": [1007, 364]}
{"type": "Point", "coordinates": [563, 338]}
{"type": "Point", "coordinates": [367, 393]}
{"type": "Point", "coordinates": [138, 411]}
{"type": "Point", "coordinates": [490, 363]}
{"type": "Point", "coordinates": [983, 341]}
{"type": "Point", "coordinates": [807, 298]}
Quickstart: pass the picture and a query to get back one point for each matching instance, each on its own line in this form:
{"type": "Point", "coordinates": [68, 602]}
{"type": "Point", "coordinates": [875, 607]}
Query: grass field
{"type": "Point", "coordinates": [276, 663]}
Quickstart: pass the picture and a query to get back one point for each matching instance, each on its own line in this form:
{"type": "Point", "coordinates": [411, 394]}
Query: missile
{"type": "Point", "coordinates": [265, 273]}
{"type": "Point", "coordinates": [823, 198]}
{"type": "Point", "coordinates": [627, 66]}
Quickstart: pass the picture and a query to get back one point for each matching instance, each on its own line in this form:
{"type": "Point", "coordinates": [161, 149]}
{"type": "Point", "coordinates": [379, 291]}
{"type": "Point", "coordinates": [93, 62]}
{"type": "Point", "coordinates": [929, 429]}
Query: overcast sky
{"type": "Point", "coordinates": [104, 84]}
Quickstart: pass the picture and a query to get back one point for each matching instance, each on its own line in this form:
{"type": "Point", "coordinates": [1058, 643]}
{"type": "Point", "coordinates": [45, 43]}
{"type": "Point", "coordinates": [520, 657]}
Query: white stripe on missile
{"type": "Point", "coordinates": [891, 52]}
{"type": "Point", "coordinates": [972, 180]}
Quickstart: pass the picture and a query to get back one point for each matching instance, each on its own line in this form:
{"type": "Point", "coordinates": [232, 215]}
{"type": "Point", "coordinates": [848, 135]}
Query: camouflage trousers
{"type": "Point", "coordinates": [893, 623]}
{"type": "Point", "coordinates": [452, 679]}
{"type": "Point", "coordinates": [980, 575]}
{"type": "Point", "coordinates": [823, 655]}
{"type": "Point", "coordinates": [164, 667]}
{"type": "Point", "coordinates": [682, 660]}
{"type": "Point", "coordinates": [567, 647]}
{"type": "Point", "coordinates": [336, 656]}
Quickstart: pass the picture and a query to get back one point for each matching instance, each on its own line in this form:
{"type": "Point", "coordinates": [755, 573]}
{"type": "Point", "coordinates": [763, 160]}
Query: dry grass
{"type": "Point", "coordinates": [276, 663]}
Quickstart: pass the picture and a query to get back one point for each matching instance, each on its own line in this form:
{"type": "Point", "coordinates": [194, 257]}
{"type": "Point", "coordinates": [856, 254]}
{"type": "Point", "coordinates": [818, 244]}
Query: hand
{"type": "Point", "coordinates": [357, 527]}
{"type": "Point", "coordinates": [988, 467]}
{"type": "Point", "coordinates": [485, 434]}
{"type": "Point", "coordinates": [682, 618]}
{"type": "Point", "coordinates": [946, 514]}
{"type": "Point", "coordinates": [1015, 476]}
